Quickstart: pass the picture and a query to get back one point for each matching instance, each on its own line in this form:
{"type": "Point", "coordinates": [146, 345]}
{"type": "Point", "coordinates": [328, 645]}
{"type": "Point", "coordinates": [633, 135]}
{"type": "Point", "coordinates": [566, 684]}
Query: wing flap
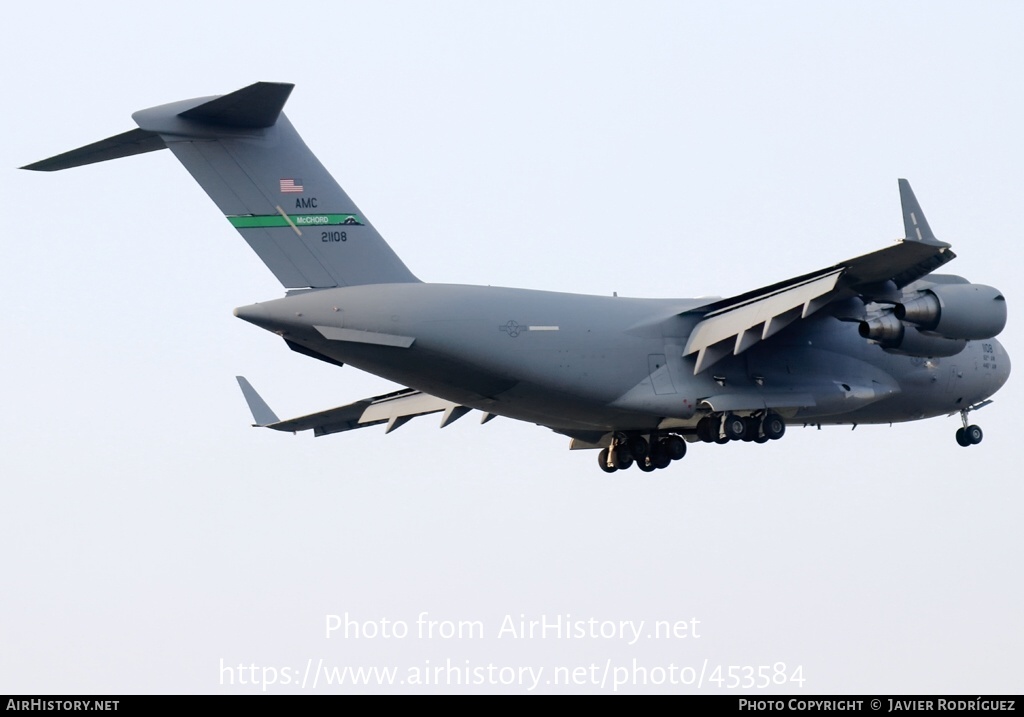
{"type": "Point", "coordinates": [395, 409]}
{"type": "Point", "coordinates": [731, 326]}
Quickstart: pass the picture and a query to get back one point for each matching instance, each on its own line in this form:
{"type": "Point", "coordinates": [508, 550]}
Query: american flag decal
{"type": "Point", "coordinates": [291, 186]}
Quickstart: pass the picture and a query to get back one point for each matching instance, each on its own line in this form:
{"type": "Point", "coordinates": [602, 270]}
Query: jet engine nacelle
{"type": "Point", "coordinates": [900, 337]}
{"type": "Point", "coordinates": [956, 311]}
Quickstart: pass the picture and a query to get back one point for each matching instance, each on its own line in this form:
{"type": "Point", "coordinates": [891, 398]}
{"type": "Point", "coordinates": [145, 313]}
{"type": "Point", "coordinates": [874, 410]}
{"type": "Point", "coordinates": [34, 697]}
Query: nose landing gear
{"type": "Point", "coordinates": [968, 435]}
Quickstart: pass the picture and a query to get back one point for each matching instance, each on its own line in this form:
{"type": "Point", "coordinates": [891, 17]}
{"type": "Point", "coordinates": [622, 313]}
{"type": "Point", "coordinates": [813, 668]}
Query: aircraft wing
{"type": "Point", "coordinates": [394, 409]}
{"type": "Point", "coordinates": [731, 326]}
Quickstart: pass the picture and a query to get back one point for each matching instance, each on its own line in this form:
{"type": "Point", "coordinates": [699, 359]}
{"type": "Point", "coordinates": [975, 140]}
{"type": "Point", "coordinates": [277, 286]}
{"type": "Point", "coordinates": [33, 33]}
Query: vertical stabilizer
{"type": "Point", "coordinates": [245, 153]}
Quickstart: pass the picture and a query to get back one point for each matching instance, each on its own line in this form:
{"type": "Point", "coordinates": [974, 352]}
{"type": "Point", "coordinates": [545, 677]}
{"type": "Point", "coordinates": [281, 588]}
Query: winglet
{"type": "Point", "coordinates": [261, 412]}
{"type": "Point", "coordinates": [914, 222]}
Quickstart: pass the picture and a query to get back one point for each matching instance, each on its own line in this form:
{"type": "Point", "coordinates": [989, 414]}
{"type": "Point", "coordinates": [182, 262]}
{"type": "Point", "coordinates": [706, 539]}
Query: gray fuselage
{"type": "Point", "coordinates": [584, 365]}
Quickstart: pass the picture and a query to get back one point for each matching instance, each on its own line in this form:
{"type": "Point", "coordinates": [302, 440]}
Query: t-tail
{"type": "Point", "coordinates": [274, 191]}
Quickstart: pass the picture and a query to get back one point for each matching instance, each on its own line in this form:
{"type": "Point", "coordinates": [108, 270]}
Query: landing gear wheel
{"type": "Point", "coordinates": [638, 448]}
{"type": "Point", "coordinates": [973, 434]}
{"type": "Point", "coordinates": [675, 447]}
{"type": "Point", "coordinates": [645, 467]}
{"type": "Point", "coordinates": [968, 435]}
{"type": "Point", "coordinates": [659, 457]}
{"type": "Point", "coordinates": [773, 426]}
{"type": "Point", "coordinates": [623, 458]}
{"type": "Point", "coordinates": [705, 432]}
{"type": "Point", "coordinates": [753, 428]}
{"type": "Point", "coordinates": [735, 427]}
{"type": "Point", "coordinates": [602, 460]}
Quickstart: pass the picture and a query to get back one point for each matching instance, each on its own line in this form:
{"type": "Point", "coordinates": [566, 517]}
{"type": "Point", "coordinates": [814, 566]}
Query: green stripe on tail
{"type": "Point", "coordinates": [250, 221]}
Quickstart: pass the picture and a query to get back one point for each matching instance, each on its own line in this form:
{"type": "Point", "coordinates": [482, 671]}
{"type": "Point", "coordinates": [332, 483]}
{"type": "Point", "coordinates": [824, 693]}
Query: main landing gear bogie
{"type": "Point", "coordinates": [731, 427]}
{"type": "Point", "coordinates": [654, 453]}
{"type": "Point", "coordinates": [648, 456]}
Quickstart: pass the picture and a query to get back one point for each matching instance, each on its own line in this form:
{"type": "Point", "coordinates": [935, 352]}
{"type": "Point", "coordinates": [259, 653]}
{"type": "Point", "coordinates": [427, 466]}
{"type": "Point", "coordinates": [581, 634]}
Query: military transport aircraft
{"type": "Point", "coordinates": [875, 339]}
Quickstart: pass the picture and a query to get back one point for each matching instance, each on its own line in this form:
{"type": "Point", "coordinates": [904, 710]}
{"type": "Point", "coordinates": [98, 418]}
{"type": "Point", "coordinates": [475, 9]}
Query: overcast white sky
{"type": "Point", "coordinates": [649, 148]}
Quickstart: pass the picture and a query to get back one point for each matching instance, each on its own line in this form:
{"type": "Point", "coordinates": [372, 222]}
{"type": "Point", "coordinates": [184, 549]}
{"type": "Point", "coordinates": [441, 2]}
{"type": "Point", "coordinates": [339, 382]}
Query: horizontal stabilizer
{"type": "Point", "coordinates": [136, 141]}
{"type": "Point", "coordinates": [253, 107]}
{"type": "Point", "coordinates": [393, 409]}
